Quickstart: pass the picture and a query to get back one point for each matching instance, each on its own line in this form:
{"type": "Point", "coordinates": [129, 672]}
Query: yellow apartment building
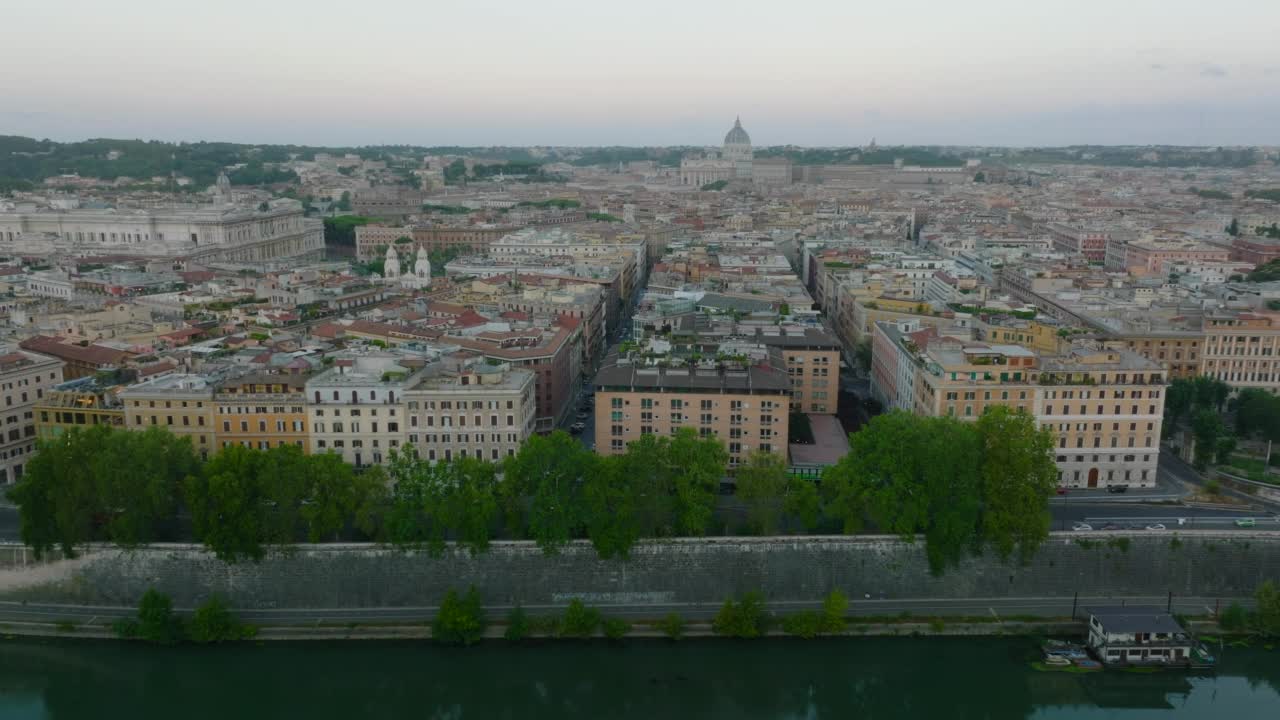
{"type": "Point", "coordinates": [262, 411]}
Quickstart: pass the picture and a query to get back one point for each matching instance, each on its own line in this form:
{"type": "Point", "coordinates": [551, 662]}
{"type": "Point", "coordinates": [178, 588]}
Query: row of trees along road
{"type": "Point", "coordinates": [964, 486]}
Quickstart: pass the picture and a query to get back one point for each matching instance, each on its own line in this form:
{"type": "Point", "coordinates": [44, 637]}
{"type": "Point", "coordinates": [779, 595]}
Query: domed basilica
{"type": "Point", "coordinates": [732, 162]}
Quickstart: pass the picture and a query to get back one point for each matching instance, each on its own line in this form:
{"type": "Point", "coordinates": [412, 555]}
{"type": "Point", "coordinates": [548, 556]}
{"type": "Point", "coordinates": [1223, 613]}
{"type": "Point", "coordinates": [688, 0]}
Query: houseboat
{"type": "Point", "coordinates": [1142, 635]}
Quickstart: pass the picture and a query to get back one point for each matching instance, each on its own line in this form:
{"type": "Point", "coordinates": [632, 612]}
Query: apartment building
{"type": "Point", "coordinates": [472, 238]}
{"type": "Point", "coordinates": [357, 407]}
{"type": "Point", "coordinates": [182, 404]}
{"type": "Point", "coordinates": [1178, 351]}
{"type": "Point", "coordinates": [1104, 405]}
{"type": "Point", "coordinates": [1242, 349]}
{"type": "Point", "coordinates": [464, 407]}
{"type": "Point", "coordinates": [24, 379]}
{"type": "Point", "coordinates": [82, 402]}
{"type": "Point", "coordinates": [812, 360]}
{"type": "Point", "coordinates": [745, 405]}
{"type": "Point", "coordinates": [553, 354]}
{"type": "Point", "coordinates": [261, 411]}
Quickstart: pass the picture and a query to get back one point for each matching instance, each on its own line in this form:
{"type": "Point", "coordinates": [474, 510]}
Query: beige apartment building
{"type": "Point", "coordinates": [181, 404]}
{"type": "Point", "coordinates": [813, 366]}
{"type": "Point", "coordinates": [356, 408]}
{"type": "Point", "coordinates": [24, 379]}
{"type": "Point", "coordinates": [745, 406]}
{"type": "Point", "coordinates": [1103, 405]}
{"type": "Point", "coordinates": [1242, 350]}
{"type": "Point", "coordinates": [470, 410]}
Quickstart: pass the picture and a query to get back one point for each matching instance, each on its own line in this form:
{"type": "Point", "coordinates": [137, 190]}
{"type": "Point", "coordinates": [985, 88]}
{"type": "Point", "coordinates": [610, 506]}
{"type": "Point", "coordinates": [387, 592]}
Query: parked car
{"type": "Point", "coordinates": [1062, 491]}
{"type": "Point", "coordinates": [1081, 527]}
{"type": "Point", "coordinates": [1156, 526]}
{"type": "Point", "coordinates": [583, 415]}
{"type": "Point", "coordinates": [1117, 488]}
{"type": "Point", "coordinates": [1111, 526]}
{"type": "Point", "coordinates": [1246, 522]}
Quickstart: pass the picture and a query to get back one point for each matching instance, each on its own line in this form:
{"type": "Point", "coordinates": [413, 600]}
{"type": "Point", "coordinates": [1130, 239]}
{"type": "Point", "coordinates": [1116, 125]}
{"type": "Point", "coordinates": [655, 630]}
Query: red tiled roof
{"type": "Point", "coordinates": [156, 368]}
{"type": "Point", "coordinates": [92, 355]}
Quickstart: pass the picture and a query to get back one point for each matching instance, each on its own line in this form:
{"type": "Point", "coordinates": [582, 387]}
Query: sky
{"type": "Point", "coordinates": [655, 72]}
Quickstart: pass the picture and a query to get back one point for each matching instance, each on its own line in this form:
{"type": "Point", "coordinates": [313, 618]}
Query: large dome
{"type": "Point", "coordinates": [737, 136]}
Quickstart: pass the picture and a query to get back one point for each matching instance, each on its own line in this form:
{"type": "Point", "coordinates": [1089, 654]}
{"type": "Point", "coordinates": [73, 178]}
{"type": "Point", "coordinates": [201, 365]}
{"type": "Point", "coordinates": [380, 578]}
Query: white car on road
{"type": "Point", "coordinates": [1081, 527]}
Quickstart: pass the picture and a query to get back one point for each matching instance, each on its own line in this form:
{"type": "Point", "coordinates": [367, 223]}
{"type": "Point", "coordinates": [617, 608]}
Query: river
{"type": "Point", "coordinates": [938, 679]}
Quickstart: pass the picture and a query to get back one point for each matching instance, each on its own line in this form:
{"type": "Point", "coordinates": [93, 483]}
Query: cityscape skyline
{"type": "Point", "coordinates": [569, 73]}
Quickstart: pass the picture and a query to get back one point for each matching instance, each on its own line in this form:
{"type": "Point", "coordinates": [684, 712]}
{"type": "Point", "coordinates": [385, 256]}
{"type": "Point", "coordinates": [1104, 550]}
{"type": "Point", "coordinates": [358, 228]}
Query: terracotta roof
{"type": "Point", "coordinates": [92, 355]}
{"type": "Point", "coordinates": [156, 368]}
{"type": "Point", "coordinates": [327, 330]}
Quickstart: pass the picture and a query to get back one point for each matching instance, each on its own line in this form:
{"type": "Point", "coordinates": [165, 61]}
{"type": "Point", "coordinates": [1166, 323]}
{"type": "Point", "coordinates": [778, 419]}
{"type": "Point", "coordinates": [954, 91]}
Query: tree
{"type": "Point", "coordinates": [701, 463]}
{"type": "Point", "coordinates": [862, 354]}
{"type": "Point", "coordinates": [579, 620]}
{"type": "Point", "coordinates": [101, 483]}
{"type": "Point", "coordinates": [213, 622]}
{"type": "Point", "coordinates": [1206, 426]}
{"type": "Point", "coordinates": [430, 503]}
{"type": "Point", "coordinates": [745, 618]}
{"type": "Point", "coordinates": [1258, 414]}
{"type": "Point", "coordinates": [460, 620]}
{"type": "Point", "coordinates": [610, 496]}
{"type": "Point", "coordinates": [803, 502]}
{"type": "Point", "coordinates": [156, 621]}
{"type": "Point", "coordinates": [835, 606]}
{"type": "Point", "coordinates": [1018, 476]}
{"type": "Point", "coordinates": [1233, 229]}
{"type": "Point", "coordinates": [344, 202]}
{"type": "Point", "coordinates": [762, 484]}
{"type": "Point", "coordinates": [549, 471]}
{"type": "Point", "coordinates": [455, 172]}
{"type": "Point", "coordinates": [1267, 616]}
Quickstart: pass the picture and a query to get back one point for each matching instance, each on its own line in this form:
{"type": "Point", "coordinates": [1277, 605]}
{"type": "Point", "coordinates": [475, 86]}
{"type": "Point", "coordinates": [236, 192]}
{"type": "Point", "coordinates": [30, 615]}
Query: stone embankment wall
{"type": "Point", "coordinates": [699, 571]}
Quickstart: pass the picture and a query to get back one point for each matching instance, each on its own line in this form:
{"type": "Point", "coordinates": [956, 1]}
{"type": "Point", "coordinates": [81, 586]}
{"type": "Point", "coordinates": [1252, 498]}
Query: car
{"type": "Point", "coordinates": [577, 427]}
{"type": "Point", "coordinates": [1081, 527]}
{"type": "Point", "coordinates": [583, 415]}
{"type": "Point", "coordinates": [1111, 526]}
{"type": "Point", "coordinates": [1156, 526]}
{"type": "Point", "coordinates": [1117, 488]}
{"type": "Point", "coordinates": [1062, 491]}
{"type": "Point", "coordinates": [1246, 522]}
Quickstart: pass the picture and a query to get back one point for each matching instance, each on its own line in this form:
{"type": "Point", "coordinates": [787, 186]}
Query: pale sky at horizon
{"type": "Point", "coordinates": [661, 72]}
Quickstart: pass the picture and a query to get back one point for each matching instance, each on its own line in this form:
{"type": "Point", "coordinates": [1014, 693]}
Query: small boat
{"type": "Point", "coordinates": [1058, 660]}
{"type": "Point", "coordinates": [1088, 664]}
{"type": "Point", "coordinates": [1060, 648]}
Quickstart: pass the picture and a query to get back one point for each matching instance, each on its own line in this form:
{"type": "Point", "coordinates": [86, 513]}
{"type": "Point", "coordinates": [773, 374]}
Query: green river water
{"type": "Point", "coordinates": [935, 678]}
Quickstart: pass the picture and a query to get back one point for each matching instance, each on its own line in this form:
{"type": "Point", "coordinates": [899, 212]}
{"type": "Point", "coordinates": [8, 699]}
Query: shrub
{"type": "Point", "coordinates": [580, 620]}
{"type": "Point", "coordinates": [937, 625]}
{"type": "Point", "coordinates": [672, 626]}
{"type": "Point", "coordinates": [743, 619]}
{"type": "Point", "coordinates": [214, 622]}
{"type": "Point", "coordinates": [156, 621]}
{"type": "Point", "coordinates": [1213, 487]}
{"type": "Point", "coordinates": [517, 624]}
{"type": "Point", "coordinates": [460, 620]}
{"type": "Point", "coordinates": [616, 628]}
{"type": "Point", "coordinates": [1234, 619]}
{"type": "Point", "coordinates": [548, 625]}
{"type": "Point", "coordinates": [125, 628]}
{"type": "Point", "coordinates": [806, 624]}
{"type": "Point", "coordinates": [834, 609]}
